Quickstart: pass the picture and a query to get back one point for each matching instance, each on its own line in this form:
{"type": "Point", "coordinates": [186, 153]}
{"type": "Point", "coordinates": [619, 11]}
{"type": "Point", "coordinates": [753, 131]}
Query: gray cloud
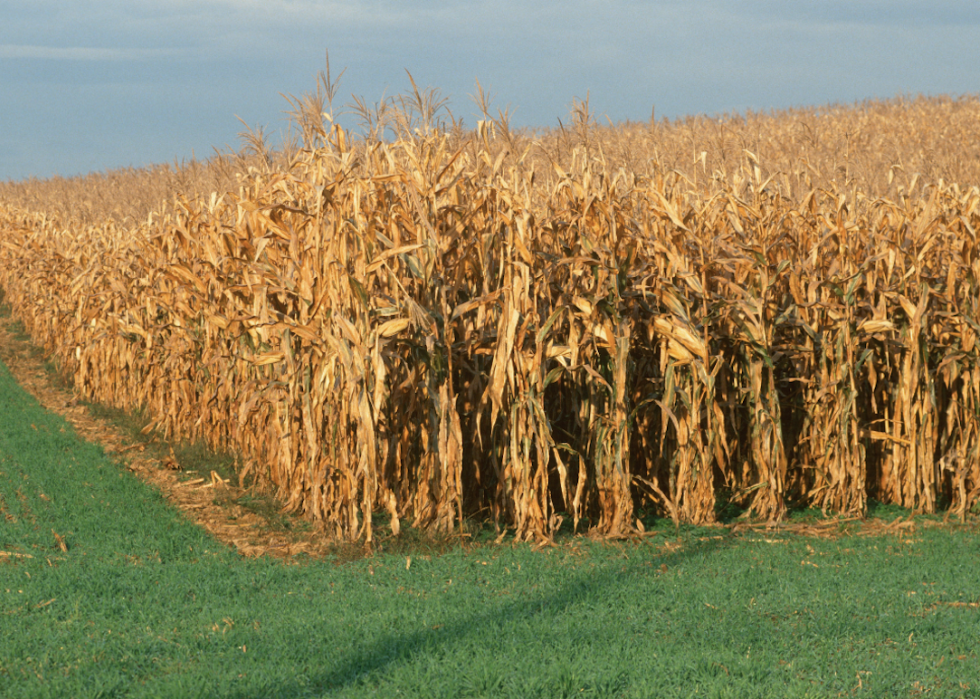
{"type": "Point", "coordinates": [82, 53]}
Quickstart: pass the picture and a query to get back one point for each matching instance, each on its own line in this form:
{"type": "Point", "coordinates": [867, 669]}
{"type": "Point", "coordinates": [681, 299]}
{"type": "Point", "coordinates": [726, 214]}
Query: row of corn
{"type": "Point", "coordinates": [426, 330]}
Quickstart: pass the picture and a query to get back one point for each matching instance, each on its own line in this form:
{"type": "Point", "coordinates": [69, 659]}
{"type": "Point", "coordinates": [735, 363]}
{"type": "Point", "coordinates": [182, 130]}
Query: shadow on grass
{"type": "Point", "coordinates": [396, 648]}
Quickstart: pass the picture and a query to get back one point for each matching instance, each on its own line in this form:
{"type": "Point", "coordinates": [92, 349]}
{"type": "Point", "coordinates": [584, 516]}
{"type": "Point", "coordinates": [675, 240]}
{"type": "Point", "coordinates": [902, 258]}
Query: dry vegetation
{"type": "Point", "coordinates": [769, 309]}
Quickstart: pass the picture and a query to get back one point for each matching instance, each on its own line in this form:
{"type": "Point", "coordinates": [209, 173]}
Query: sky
{"type": "Point", "coordinates": [96, 85]}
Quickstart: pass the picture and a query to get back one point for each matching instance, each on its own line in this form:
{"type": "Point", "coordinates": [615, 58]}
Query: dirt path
{"type": "Point", "coordinates": [208, 501]}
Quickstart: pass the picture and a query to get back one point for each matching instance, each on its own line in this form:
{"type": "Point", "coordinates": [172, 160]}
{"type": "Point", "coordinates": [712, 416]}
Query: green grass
{"type": "Point", "coordinates": [143, 603]}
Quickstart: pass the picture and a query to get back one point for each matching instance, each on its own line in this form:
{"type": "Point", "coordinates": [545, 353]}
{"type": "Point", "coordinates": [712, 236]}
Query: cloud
{"type": "Point", "coordinates": [82, 53]}
{"type": "Point", "coordinates": [868, 13]}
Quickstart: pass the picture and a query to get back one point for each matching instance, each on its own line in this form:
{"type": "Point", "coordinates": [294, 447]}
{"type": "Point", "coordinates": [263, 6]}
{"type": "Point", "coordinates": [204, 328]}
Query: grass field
{"type": "Point", "coordinates": [107, 591]}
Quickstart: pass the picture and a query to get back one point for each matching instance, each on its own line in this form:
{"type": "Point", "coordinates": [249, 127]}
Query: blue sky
{"type": "Point", "coordinates": [100, 84]}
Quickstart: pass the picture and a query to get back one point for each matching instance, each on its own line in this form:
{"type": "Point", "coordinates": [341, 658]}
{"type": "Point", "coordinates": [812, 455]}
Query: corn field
{"type": "Point", "coordinates": [536, 328]}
